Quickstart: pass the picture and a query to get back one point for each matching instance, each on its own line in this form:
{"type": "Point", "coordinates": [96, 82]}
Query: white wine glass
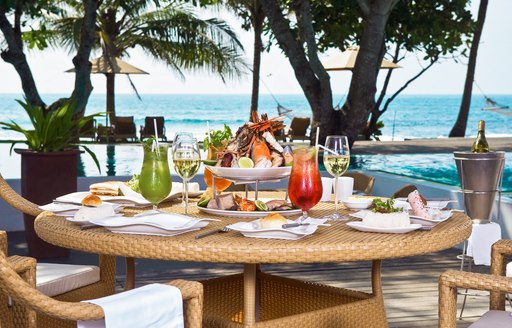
{"type": "Point", "coordinates": [336, 161]}
{"type": "Point", "coordinates": [187, 159]}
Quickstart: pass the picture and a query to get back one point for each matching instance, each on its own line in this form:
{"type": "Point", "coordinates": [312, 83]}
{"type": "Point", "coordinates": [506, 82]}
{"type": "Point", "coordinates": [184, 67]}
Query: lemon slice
{"type": "Point", "coordinates": [260, 205]}
{"type": "Point", "coordinates": [245, 163]}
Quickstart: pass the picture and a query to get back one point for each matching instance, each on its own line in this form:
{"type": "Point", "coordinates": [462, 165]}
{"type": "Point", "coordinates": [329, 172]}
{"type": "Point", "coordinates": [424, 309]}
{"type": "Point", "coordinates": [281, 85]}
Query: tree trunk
{"type": "Point", "coordinates": [311, 76]}
{"type": "Point", "coordinates": [14, 55]}
{"type": "Point", "coordinates": [111, 105]}
{"type": "Point", "coordinates": [361, 96]}
{"type": "Point", "coordinates": [459, 128]}
{"type": "Point", "coordinates": [257, 22]}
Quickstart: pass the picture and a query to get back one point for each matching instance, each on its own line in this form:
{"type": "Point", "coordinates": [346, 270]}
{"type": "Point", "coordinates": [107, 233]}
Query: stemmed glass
{"type": "Point", "coordinates": [155, 177]}
{"type": "Point", "coordinates": [186, 159]}
{"type": "Point", "coordinates": [336, 161]}
{"type": "Point", "coordinates": [305, 184]}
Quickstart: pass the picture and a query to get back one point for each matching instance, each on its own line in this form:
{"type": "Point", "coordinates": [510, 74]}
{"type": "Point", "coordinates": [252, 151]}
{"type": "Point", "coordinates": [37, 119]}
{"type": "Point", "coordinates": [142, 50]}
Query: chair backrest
{"type": "Point", "coordinates": [26, 295]}
{"type": "Point", "coordinates": [149, 125]}
{"type": "Point", "coordinates": [362, 182]}
{"type": "Point", "coordinates": [16, 200]}
{"type": "Point", "coordinates": [404, 191]}
{"type": "Point", "coordinates": [299, 126]}
{"type": "Point", "coordinates": [125, 125]}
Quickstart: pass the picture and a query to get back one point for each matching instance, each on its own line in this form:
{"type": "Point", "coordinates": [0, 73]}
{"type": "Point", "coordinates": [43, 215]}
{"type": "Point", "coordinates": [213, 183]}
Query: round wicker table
{"type": "Point", "coordinates": [256, 299]}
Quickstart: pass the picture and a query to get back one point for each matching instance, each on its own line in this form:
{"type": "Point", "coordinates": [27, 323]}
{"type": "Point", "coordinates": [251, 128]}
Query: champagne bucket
{"type": "Point", "coordinates": [479, 175]}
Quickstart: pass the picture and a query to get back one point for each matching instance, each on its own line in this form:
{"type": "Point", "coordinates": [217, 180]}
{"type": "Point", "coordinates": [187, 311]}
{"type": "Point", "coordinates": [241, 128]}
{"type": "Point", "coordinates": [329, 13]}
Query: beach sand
{"type": "Point", "coordinates": [430, 146]}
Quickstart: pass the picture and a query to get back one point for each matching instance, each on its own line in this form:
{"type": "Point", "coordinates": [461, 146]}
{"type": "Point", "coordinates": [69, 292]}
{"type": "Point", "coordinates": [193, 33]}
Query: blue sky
{"type": "Point", "coordinates": [493, 73]}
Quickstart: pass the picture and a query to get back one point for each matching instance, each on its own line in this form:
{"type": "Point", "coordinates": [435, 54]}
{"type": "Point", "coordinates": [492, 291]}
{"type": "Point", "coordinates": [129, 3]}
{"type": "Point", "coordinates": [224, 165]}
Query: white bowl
{"type": "Point", "coordinates": [357, 203]}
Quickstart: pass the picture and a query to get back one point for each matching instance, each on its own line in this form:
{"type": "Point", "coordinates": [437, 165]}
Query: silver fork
{"type": "Point", "coordinates": [212, 232]}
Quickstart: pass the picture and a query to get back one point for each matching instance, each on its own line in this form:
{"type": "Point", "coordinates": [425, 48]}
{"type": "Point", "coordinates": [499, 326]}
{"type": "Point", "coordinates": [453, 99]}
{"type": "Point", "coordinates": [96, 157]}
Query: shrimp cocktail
{"type": "Point", "coordinates": [155, 178]}
{"type": "Point", "coordinates": [305, 185]}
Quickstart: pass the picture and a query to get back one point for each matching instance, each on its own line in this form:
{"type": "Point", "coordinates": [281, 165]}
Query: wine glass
{"type": "Point", "coordinates": [155, 178]}
{"type": "Point", "coordinates": [186, 159]}
{"type": "Point", "coordinates": [305, 184]}
{"type": "Point", "coordinates": [179, 136]}
{"type": "Point", "coordinates": [336, 161]}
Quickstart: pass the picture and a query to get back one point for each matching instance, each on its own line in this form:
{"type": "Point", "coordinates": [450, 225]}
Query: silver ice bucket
{"type": "Point", "coordinates": [479, 175]}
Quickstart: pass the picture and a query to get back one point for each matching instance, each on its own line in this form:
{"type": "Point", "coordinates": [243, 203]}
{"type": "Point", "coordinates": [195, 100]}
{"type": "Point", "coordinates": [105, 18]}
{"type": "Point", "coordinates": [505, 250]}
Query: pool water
{"type": "Point", "coordinates": [125, 160]}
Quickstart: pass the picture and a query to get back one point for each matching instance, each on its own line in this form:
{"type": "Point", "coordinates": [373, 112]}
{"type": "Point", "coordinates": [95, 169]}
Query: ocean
{"type": "Point", "coordinates": [409, 116]}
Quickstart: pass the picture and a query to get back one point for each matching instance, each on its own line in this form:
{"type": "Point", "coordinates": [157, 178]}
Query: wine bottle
{"type": "Point", "coordinates": [480, 144]}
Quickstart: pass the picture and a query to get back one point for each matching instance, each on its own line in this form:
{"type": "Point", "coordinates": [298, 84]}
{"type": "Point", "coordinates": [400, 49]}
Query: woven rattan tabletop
{"type": "Point", "coordinates": [337, 243]}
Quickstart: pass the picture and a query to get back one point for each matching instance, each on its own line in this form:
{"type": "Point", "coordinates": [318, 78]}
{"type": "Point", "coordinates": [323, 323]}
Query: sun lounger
{"type": "Point", "coordinates": [124, 128]}
{"type": "Point", "coordinates": [148, 130]}
{"type": "Point", "coordinates": [298, 128]}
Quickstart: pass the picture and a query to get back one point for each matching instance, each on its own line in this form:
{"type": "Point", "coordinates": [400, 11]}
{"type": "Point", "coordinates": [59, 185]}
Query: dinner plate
{"type": "Point", "coordinates": [443, 216]}
{"type": "Point", "coordinates": [262, 174]}
{"type": "Point", "coordinates": [246, 214]}
{"type": "Point", "coordinates": [76, 197]}
{"type": "Point", "coordinates": [252, 230]}
{"type": "Point", "coordinates": [165, 224]}
{"type": "Point", "coordinates": [362, 227]}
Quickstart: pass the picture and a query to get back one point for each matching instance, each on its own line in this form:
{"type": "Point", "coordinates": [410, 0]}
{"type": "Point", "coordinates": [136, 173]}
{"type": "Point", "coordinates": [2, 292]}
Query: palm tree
{"type": "Point", "coordinates": [171, 33]}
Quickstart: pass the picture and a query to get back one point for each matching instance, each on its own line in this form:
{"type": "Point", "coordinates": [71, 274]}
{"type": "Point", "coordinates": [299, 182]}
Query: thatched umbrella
{"type": "Point", "coordinates": [110, 67]}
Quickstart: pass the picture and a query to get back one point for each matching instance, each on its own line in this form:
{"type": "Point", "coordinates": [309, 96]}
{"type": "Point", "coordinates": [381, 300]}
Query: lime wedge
{"type": "Point", "coordinates": [260, 205]}
{"type": "Point", "coordinates": [245, 163]}
{"type": "Point", "coordinates": [209, 162]}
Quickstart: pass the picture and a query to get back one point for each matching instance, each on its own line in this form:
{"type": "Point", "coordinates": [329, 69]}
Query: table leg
{"type": "Point", "coordinates": [250, 290]}
{"type": "Point", "coordinates": [377, 291]}
{"type": "Point", "coordinates": [130, 274]}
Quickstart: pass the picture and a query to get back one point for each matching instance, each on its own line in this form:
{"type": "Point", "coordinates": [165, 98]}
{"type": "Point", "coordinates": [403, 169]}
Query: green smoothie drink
{"type": "Point", "coordinates": [155, 178]}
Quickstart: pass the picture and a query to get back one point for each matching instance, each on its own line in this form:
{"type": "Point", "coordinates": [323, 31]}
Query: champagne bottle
{"type": "Point", "coordinates": [480, 144]}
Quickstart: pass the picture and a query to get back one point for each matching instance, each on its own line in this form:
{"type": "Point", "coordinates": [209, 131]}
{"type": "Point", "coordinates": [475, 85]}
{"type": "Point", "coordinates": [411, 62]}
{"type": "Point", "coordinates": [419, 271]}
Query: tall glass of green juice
{"type": "Point", "coordinates": [155, 178]}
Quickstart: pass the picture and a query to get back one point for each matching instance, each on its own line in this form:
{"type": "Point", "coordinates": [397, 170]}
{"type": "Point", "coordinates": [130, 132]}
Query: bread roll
{"type": "Point", "coordinates": [91, 200]}
{"type": "Point", "coordinates": [273, 221]}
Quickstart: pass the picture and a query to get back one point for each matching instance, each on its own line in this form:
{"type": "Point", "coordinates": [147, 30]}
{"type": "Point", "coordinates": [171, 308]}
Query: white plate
{"type": "Point", "coordinates": [443, 216]}
{"type": "Point", "coordinates": [252, 230]}
{"type": "Point", "coordinates": [361, 227]}
{"type": "Point", "coordinates": [357, 203]}
{"type": "Point", "coordinates": [270, 173]}
{"type": "Point", "coordinates": [77, 197]}
{"type": "Point", "coordinates": [433, 203]}
{"type": "Point", "coordinates": [246, 214]}
{"type": "Point", "coordinates": [168, 224]}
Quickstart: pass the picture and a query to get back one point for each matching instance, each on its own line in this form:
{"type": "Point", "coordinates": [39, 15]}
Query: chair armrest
{"type": "Point", "coordinates": [3, 243]}
{"type": "Point", "coordinates": [450, 280]}
{"type": "Point", "coordinates": [16, 200]}
{"type": "Point", "coordinates": [192, 293]}
{"type": "Point", "coordinates": [499, 252]}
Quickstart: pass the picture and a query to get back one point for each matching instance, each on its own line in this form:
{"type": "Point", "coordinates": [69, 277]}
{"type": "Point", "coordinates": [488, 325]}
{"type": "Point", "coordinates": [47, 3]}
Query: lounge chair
{"type": "Point", "coordinates": [79, 282]}
{"type": "Point", "coordinates": [104, 133]}
{"type": "Point", "coordinates": [298, 128]}
{"type": "Point", "coordinates": [21, 291]}
{"type": "Point", "coordinates": [148, 130]}
{"type": "Point", "coordinates": [363, 184]}
{"type": "Point", "coordinates": [124, 128]}
{"type": "Point", "coordinates": [496, 283]}
{"type": "Point", "coordinates": [88, 130]}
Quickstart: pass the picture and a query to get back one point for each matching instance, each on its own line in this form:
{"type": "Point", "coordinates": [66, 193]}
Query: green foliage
{"type": "Point", "coordinates": [217, 138]}
{"type": "Point", "coordinates": [378, 130]}
{"type": "Point", "coordinates": [54, 130]}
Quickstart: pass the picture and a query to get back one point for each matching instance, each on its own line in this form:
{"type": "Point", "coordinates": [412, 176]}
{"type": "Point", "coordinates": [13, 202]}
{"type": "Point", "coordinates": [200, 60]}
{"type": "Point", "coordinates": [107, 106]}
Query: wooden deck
{"type": "Point", "coordinates": [409, 284]}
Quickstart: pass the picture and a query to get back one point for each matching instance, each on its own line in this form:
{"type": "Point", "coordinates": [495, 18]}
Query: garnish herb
{"type": "Point", "coordinates": [217, 138]}
{"type": "Point", "coordinates": [380, 206]}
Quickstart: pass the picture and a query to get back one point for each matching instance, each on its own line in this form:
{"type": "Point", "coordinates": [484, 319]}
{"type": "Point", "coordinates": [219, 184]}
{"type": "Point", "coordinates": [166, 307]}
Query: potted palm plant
{"type": "Point", "coordinates": [49, 165]}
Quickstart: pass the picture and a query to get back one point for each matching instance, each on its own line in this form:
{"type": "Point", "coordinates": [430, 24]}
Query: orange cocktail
{"type": "Point", "coordinates": [305, 185]}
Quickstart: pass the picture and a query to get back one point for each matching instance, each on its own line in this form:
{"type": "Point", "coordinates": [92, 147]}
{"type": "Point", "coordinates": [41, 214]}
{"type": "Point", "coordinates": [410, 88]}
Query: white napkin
{"type": "Point", "coordinates": [313, 221]}
{"type": "Point", "coordinates": [151, 306]}
{"type": "Point", "coordinates": [169, 221]}
{"type": "Point", "coordinates": [481, 240]}
{"type": "Point", "coordinates": [177, 187]}
{"type": "Point", "coordinates": [86, 213]}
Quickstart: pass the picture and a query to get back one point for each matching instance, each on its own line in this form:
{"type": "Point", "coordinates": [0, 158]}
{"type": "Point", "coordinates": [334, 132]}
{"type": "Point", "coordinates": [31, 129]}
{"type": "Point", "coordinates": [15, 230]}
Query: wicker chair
{"type": "Point", "coordinates": [496, 283]}
{"type": "Point", "coordinates": [13, 268]}
{"type": "Point", "coordinates": [107, 267]}
{"type": "Point", "coordinates": [363, 184]}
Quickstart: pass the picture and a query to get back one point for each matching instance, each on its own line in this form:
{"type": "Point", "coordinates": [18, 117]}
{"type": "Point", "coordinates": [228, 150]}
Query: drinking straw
{"type": "Point", "coordinates": [328, 150]}
{"type": "Point", "coordinates": [156, 136]}
{"type": "Point", "coordinates": [317, 136]}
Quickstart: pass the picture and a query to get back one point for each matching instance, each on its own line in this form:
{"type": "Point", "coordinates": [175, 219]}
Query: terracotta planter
{"type": "Point", "coordinates": [45, 176]}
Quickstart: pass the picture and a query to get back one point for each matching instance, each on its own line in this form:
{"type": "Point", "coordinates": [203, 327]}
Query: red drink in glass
{"type": "Point", "coordinates": [305, 185]}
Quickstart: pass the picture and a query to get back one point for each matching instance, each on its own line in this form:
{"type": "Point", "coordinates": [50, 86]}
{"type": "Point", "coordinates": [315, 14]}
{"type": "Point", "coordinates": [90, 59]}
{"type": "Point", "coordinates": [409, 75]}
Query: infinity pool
{"type": "Point", "coordinates": [127, 159]}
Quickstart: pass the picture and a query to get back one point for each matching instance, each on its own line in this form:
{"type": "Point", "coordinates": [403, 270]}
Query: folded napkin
{"type": "Point", "coordinates": [481, 240]}
{"type": "Point", "coordinates": [168, 221]}
{"type": "Point", "coordinates": [151, 306]}
{"type": "Point", "coordinates": [313, 221]}
{"type": "Point", "coordinates": [86, 213]}
{"type": "Point", "coordinates": [176, 188]}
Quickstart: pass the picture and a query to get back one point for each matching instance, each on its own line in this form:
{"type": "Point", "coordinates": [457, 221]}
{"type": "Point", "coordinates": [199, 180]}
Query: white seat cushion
{"type": "Point", "coordinates": [54, 279]}
{"type": "Point", "coordinates": [494, 319]}
{"type": "Point", "coordinates": [509, 270]}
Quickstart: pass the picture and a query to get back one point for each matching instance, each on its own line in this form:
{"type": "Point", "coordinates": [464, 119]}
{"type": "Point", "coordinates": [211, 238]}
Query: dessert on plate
{"type": "Point", "coordinates": [384, 215]}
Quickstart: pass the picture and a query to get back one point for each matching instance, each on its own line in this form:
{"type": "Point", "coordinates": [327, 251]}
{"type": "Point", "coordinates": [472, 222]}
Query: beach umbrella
{"type": "Point", "coordinates": [346, 60]}
{"type": "Point", "coordinates": [110, 67]}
